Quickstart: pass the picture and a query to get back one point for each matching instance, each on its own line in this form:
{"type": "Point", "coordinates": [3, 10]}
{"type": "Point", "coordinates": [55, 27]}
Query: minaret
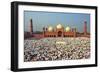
{"type": "Point", "coordinates": [74, 30]}
{"type": "Point", "coordinates": [43, 31]}
{"type": "Point", "coordinates": [31, 26]}
{"type": "Point", "coordinates": [85, 28]}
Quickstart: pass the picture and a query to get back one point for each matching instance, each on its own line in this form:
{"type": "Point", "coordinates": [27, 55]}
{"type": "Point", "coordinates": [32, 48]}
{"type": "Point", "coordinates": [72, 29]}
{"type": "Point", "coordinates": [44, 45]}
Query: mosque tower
{"type": "Point", "coordinates": [85, 28]}
{"type": "Point", "coordinates": [31, 26]}
{"type": "Point", "coordinates": [44, 31]}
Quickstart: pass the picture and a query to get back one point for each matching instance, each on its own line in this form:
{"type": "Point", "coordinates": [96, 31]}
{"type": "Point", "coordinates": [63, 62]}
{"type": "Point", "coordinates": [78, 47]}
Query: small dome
{"type": "Point", "coordinates": [59, 26]}
{"type": "Point", "coordinates": [50, 29]}
{"type": "Point", "coordinates": [67, 29]}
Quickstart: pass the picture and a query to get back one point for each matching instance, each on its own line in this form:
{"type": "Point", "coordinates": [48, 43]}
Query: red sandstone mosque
{"type": "Point", "coordinates": [59, 31]}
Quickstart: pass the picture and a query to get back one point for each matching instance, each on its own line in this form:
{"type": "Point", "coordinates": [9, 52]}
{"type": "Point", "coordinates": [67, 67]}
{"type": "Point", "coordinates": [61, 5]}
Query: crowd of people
{"type": "Point", "coordinates": [48, 49]}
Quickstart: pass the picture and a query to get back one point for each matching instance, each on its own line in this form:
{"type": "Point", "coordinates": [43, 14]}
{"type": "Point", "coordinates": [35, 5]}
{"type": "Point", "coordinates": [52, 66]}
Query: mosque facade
{"type": "Point", "coordinates": [60, 31]}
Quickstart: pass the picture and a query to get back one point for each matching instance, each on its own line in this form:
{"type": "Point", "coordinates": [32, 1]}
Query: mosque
{"type": "Point", "coordinates": [60, 31]}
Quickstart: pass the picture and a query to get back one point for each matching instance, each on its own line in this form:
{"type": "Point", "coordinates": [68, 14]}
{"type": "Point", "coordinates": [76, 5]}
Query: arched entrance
{"type": "Point", "coordinates": [59, 33]}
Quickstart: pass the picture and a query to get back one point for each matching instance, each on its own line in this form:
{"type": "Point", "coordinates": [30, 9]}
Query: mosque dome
{"type": "Point", "coordinates": [67, 29]}
{"type": "Point", "coordinates": [59, 26]}
{"type": "Point", "coordinates": [50, 28]}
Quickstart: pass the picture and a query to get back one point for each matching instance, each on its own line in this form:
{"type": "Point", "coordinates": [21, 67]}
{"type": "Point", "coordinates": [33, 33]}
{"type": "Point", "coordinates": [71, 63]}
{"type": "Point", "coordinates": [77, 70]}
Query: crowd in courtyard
{"type": "Point", "coordinates": [49, 49]}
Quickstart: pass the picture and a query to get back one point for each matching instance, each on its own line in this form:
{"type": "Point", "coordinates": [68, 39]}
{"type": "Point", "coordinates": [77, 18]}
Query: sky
{"type": "Point", "coordinates": [46, 19]}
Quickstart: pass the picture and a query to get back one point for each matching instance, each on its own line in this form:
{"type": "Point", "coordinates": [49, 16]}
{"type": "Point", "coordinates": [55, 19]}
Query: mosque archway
{"type": "Point", "coordinates": [59, 33]}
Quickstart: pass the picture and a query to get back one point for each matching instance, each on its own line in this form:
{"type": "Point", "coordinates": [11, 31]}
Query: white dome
{"type": "Point", "coordinates": [67, 29]}
{"type": "Point", "coordinates": [50, 29]}
{"type": "Point", "coordinates": [59, 26]}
